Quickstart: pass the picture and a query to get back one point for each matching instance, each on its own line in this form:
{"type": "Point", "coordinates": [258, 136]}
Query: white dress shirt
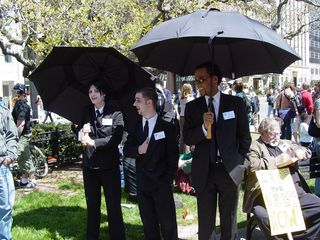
{"type": "Point", "coordinates": [152, 122]}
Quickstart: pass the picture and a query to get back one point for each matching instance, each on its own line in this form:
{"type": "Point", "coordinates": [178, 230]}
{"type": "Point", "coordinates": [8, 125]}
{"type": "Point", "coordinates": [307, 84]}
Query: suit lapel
{"type": "Point", "coordinates": [221, 108]}
{"type": "Point", "coordinates": [203, 105]}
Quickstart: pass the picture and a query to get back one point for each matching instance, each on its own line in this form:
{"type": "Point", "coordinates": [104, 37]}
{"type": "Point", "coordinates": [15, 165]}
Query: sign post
{"type": "Point", "coordinates": [281, 201]}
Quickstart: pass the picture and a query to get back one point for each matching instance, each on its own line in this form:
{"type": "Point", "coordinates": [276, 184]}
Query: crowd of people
{"type": "Point", "coordinates": [199, 141]}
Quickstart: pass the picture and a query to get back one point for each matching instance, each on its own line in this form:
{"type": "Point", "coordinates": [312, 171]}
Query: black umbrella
{"type": "Point", "coordinates": [241, 45]}
{"type": "Point", "coordinates": [62, 79]}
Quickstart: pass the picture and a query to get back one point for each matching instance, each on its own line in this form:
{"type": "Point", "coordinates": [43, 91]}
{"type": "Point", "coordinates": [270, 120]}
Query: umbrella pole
{"type": "Point", "coordinates": [211, 49]}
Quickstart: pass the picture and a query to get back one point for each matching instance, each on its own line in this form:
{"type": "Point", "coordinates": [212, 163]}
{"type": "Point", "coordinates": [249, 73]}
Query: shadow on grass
{"type": "Point", "coordinates": [67, 223]}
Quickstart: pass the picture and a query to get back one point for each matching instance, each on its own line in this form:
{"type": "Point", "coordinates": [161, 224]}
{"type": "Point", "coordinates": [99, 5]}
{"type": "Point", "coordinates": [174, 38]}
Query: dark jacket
{"type": "Point", "coordinates": [160, 163]}
{"type": "Point", "coordinates": [107, 137]}
{"type": "Point", "coordinates": [233, 138]}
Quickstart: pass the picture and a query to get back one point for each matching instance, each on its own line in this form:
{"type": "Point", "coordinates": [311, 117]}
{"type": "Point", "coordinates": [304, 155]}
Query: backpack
{"type": "Point", "coordinates": [255, 104]}
{"type": "Point", "coordinates": [246, 100]}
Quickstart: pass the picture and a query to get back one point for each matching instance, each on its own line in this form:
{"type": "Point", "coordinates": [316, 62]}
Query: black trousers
{"type": "Point", "coordinates": [222, 191]}
{"type": "Point", "coordinates": [310, 206]}
{"type": "Point", "coordinates": [110, 181]}
{"type": "Point", "coordinates": [158, 213]}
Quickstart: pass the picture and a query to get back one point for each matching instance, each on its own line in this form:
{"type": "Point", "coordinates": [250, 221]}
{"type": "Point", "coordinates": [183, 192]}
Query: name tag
{"type": "Point", "coordinates": [228, 115]}
{"type": "Point", "coordinates": [107, 121]}
{"type": "Point", "coordinates": [159, 135]}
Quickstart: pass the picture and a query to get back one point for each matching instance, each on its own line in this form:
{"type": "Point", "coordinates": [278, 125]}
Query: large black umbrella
{"type": "Point", "coordinates": [240, 45]}
{"type": "Point", "coordinates": [62, 79]}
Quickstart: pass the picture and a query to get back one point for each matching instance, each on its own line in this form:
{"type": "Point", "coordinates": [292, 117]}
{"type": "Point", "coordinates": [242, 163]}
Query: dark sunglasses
{"type": "Point", "coordinates": [200, 80]}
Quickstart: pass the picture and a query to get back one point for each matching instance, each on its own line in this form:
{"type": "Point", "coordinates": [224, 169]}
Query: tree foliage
{"type": "Point", "coordinates": [30, 28]}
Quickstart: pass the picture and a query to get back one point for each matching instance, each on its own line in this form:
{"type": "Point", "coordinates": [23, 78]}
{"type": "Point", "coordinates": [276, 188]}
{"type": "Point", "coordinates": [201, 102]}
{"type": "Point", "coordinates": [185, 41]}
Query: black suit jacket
{"type": "Point", "coordinates": [160, 162]}
{"type": "Point", "coordinates": [233, 138]}
{"type": "Point", "coordinates": [105, 154]}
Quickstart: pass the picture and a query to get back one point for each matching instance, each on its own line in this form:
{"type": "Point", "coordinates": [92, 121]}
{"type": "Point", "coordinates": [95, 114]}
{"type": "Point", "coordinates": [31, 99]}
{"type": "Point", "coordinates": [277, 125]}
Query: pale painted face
{"type": "Point", "coordinates": [141, 104]}
{"type": "Point", "coordinates": [272, 137]}
{"type": "Point", "coordinates": [96, 97]}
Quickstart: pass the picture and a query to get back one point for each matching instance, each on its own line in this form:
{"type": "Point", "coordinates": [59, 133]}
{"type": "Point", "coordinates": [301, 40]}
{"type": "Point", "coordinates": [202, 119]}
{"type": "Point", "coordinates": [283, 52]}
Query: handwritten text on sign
{"type": "Point", "coordinates": [281, 200]}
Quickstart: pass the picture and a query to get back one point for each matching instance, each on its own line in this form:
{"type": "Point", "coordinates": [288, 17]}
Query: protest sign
{"type": "Point", "coordinates": [281, 201]}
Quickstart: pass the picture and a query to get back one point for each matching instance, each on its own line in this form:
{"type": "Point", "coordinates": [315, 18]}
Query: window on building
{"type": "Point", "coordinates": [312, 71]}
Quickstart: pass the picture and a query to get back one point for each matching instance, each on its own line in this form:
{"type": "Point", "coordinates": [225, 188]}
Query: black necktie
{"type": "Point", "coordinates": [213, 143]}
{"type": "Point", "coordinates": [146, 130]}
{"type": "Point", "coordinates": [98, 114]}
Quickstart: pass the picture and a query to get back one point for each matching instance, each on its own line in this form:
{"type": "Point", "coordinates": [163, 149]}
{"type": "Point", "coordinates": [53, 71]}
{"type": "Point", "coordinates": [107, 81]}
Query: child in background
{"type": "Point", "coordinates": [305, 138]}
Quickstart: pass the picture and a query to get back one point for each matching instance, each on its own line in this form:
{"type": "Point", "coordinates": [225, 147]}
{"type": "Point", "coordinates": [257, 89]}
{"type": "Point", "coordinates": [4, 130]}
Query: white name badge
{"type": "Point", "coordinates": [159, 135]}
{"type": "Point", "coordinates": [228, 115]}
{"type": "Point", "coordinates": [107, 121]}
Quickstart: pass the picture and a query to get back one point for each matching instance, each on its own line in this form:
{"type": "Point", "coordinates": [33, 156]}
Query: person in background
{"type": "Point", "coordinates": [241, 92]}
{"type": "Point", "coordinates": [224, 87]}
{"type": "Point", "coordinates": [2, 102]}
{"type": "Point", "coordinates": [186, 96]}
{"type": "Point", "coordinates": [306, 98]}
{"type": "Point", "coordinates": [270, 152]}
{"type": "Point", "coordinates": [283, 102]}
{"type": "Point", "coordinates": [8, 153]}
{"type": "Point", "coordinates": [154, 145]}
{"type": "Point", "coordinates": [316, 116]}
{"type": "Point", "coordinates": [218, 163]}
{"type": "Point", "coordinates": [101, 130]}
{"type": "Point", "coordinates": [21, 114]}
{"type": "Point", "coordinates": [304, 137]}
{"type": "Point", "coordinates": [271, 99]}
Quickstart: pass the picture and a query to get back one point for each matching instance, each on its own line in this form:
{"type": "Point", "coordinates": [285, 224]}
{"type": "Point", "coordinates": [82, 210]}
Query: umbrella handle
{"type": "Point", "coordinates": [209, 134]}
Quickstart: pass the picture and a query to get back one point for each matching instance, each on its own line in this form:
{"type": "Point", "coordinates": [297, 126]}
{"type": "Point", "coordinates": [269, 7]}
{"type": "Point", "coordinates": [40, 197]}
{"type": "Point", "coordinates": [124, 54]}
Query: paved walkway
{"type": "Point", "coordinates": [189, 232]}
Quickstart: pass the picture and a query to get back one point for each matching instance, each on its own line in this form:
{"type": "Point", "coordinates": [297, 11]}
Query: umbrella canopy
{"type": "Point", "coordinates": [241, 45]}
{"type": "Point", "coordinates": [62, 79]}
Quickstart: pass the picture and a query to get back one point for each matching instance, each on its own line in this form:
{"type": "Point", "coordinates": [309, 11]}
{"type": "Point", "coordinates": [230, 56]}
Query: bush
{"type": "Point", "coordinates": [56, 141]}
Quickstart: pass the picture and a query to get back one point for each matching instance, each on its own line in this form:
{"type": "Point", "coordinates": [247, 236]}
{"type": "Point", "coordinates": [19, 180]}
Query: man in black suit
{"type": "Point", "coordinates": [153, 143]}
{"type": "Point", "coordinates": [218, 163]}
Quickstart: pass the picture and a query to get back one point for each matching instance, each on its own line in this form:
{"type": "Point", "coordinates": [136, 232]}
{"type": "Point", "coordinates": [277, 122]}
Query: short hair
{"type": "Point", "coordinates": [238, 85]}
{"type": "Point", "coordinates": [149, 94]}
{"type": "Point", "coordinates": [212, 70]}
{"type": "Point", "coordinates": [305, 86]}
{"type": "Point", "coordinates": [268, 124]}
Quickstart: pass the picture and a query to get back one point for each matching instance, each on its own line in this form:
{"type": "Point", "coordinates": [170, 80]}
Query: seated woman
{"type": "Point", "coordinates": [269, 152]}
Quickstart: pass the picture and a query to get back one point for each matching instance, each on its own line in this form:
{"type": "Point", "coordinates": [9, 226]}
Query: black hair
{"type": "Point", "coordinates": [100, 85]}
{"type": "Point", "coordinates": [213, 70]}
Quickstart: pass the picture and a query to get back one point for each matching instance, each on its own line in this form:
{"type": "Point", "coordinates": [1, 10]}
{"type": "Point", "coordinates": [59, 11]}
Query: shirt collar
{"type": "Point", "coordinates": [99, 109]}
{"type": "Point", "coordinates": [216, 97]}
{"type": "Point", "coordinates": [152, 119]}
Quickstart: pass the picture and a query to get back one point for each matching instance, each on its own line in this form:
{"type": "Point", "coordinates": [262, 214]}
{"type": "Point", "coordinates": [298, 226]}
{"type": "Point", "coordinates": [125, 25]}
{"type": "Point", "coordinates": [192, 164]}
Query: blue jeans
{"type": "Point", "coordinates": [6, 202]}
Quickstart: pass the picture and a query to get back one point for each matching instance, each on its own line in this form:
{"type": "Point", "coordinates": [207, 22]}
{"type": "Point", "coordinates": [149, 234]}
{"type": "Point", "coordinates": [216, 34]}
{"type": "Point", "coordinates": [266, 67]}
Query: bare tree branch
{"type": "Point", "coordinates": [276, 23]}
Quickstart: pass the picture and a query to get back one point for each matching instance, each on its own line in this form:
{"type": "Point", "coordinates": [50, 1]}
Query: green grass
{"type": "Point", "coordinates": [47, 216]}
{"type": "Point", "coordinates": [44, 216]}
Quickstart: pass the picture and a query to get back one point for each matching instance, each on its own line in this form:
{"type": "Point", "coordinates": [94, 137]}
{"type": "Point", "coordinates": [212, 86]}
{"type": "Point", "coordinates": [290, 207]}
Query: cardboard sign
{"type": "Point", "coordinates": [281, 200]}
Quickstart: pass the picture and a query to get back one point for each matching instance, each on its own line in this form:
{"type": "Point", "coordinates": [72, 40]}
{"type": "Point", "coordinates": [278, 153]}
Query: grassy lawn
{"type": "Point", "coordinates": [44, 216]}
